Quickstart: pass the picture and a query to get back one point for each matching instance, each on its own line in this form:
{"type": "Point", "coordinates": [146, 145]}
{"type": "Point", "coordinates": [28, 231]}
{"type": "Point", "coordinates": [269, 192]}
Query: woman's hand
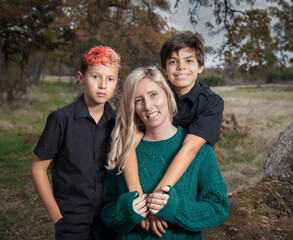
{"type": "Point", "coordinates": [145, 224]}
{"type": "Point", "coordinates": [157, 225]}
{"type": "Point", "coordinates": [140, 205]}
{"type": "Point", "coordinates": [156, 201]}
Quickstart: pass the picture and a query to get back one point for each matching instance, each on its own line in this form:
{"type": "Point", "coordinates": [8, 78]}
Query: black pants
{"type": "Point", "coordinates": [82, 227]}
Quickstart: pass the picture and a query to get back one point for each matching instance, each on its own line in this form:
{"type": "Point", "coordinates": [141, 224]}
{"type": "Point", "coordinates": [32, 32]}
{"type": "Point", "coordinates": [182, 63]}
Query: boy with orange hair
{"type": "Point", "coordinates": [76, 139]}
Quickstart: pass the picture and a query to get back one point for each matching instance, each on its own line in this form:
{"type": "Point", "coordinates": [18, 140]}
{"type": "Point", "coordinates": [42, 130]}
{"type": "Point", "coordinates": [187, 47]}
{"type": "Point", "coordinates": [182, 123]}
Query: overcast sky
{"type": "Point", "coordinates": [180, 20]}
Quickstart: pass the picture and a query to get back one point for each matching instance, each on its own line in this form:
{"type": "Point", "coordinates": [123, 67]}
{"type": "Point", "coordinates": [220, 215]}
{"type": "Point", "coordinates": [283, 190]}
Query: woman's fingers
{"type": "Point", "coordinates": [164, 223]}
{"type": "Point", "coordinates": [140, 205]}
{"type": "Point", "coordinates": [157, 225]}
{"type": "Point", "coordinates": [147, 223]}
{"type": "Point", "coordinates": [142, 224]}
{"type": "Point", "coordinates": [166, 189]}
{"type": "Point", "coordinates": [156, 201]}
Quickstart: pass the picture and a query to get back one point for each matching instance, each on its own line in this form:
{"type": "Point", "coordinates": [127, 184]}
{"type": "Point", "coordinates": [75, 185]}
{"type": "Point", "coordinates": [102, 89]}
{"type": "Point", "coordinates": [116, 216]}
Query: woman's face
{"type": "Point", "coordinates": [151, 104]}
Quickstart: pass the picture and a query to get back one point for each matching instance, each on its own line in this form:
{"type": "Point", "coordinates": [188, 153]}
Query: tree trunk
{"type": "Point", "coordinates": [279, 164]}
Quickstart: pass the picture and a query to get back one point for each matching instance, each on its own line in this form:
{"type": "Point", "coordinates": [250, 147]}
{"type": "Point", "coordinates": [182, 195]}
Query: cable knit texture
{"type": "Point", "coordinates": [198, 201]}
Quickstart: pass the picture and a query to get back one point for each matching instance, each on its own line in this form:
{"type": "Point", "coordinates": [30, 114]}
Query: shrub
{"type": "Point", "coordinates": [276, 75]}
{"type": "Point", "coordinates": [212, 80]}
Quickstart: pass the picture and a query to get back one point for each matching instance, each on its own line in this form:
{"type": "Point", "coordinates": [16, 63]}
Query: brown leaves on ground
{"type": "Point", "coordinates": [264, 212]}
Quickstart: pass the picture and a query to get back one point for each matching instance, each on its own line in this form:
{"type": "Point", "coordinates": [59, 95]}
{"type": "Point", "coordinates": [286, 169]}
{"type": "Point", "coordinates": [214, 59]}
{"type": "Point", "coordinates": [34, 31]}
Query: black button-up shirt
{"type": "Point", "coordinates": [78, 147]}
{"type": "Point", "coordinates": [200, 112]}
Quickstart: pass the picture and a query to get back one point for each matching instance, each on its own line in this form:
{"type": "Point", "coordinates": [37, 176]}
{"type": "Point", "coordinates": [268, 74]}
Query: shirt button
{"type": "Point", "coordinates": [97, 149]}
{"type": "Point", "coordinates": [98, 169]}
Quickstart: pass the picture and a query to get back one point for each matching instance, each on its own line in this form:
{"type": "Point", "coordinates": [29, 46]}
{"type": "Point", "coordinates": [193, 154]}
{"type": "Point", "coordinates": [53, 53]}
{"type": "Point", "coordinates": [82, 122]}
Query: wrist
{"type": "Point", "coordinates": [158, 190]}
{"type": "Point", "coordinates": [56, 218]}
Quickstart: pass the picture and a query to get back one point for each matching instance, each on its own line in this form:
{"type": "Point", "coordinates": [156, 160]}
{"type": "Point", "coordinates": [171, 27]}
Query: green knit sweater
{"type": "Point", "coordinates": [198, 201]}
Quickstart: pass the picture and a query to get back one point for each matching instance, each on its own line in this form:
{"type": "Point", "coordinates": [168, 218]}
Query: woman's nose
{"type": "Point", "coordinates": [148, 104]}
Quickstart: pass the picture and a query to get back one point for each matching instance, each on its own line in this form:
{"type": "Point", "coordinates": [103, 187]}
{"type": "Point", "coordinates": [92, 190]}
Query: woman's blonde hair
{"type": "Point", "coordinates": [127, 120]}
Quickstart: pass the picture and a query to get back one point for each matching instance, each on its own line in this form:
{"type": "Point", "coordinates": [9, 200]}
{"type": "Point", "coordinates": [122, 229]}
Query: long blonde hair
{"type": "Point", "coordinates": [127, 120]}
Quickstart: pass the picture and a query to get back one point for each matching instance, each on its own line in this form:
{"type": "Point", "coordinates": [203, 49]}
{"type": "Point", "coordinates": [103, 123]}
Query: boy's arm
{"type": "Point", "coordinates": [182, 160]}
{"type": "Point", "coordinates": [42, 184]}
{"type": "Point", "coordinates": [130, 171]}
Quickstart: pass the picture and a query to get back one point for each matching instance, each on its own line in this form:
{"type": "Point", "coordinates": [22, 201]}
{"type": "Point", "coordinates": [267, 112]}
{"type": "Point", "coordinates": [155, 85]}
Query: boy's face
{"type": "Point", "coordinates": [99, 83]}
{"type": "Point", "coordinates": [182, 69]}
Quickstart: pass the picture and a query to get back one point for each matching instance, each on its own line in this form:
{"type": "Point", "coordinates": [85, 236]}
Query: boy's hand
{"type": "Point", "coordinates": [157, 225]}
{"type": "Point", "coordinates": [156, 201]}
{"type": "Point", "coordinates": [140, 205]}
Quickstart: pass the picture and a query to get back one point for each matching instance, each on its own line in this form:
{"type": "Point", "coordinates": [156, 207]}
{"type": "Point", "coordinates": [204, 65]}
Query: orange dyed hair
{"type": "Point", "coordinates": [99, 55]}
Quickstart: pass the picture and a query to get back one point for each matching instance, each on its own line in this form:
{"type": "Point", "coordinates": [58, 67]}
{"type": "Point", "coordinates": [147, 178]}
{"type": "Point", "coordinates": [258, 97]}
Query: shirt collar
{"type": "Point", "coordinates": [109, 112]}
{"type": "Point", "coordinates": [192, 94]}
{"type": "Point", "coordinates": [81, 109]}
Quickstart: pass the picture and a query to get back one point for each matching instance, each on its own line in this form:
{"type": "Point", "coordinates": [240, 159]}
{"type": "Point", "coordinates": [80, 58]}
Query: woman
{"type": "Point", "coordinates": [198, 201]}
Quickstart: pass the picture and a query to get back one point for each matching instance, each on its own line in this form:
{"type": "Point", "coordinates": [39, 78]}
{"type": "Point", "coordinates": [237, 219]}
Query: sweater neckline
{"type": "Point", "coordinates": [163, 145]}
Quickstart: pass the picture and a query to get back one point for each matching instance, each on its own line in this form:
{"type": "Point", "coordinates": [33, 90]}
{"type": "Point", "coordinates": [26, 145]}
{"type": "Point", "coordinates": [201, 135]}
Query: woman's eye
{"type": "Point", "coordinates": [154, 94]}
{"type": "Point", "coordinates": [138, 101]}
{"type": "Point", "coordinates": [111, 79]}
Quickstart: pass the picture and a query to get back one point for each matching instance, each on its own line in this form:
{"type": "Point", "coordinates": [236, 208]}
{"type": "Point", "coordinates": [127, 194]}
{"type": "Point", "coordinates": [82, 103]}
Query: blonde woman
{"type": "Point", "coordinates": [198, 201]}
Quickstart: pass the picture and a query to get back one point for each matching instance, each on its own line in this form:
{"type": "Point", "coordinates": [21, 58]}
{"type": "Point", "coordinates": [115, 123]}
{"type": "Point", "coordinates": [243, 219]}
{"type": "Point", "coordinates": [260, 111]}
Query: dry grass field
{"type": "Point", "coordinates": [261, 114]}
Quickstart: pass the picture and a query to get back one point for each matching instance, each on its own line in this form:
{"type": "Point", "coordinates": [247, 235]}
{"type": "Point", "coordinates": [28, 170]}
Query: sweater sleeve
{"type": "Point", "coordinates": [118, 212]}
{"type": "Point", "coordinates": [210, 209]}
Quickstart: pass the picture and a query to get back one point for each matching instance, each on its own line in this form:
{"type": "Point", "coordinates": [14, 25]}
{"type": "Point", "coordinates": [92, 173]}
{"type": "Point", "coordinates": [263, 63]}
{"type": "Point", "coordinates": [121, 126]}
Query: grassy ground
{"type": "Point", "coordinates": [260, 115]}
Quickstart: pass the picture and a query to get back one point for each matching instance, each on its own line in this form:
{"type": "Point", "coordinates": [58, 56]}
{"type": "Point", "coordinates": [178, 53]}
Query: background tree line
{"type": "Point", "coordinates": [36, 34]}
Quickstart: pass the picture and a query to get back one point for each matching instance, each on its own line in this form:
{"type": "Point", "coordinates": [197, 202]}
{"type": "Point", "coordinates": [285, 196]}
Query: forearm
{"type": "Point", "coordinates": [130, 170]}
{"type": "Point", "coordinates": [42, 184]}
{"type": "Point", "coordinates": [181, 161]}
{"type": "Point", "coordinates": [130, 173]}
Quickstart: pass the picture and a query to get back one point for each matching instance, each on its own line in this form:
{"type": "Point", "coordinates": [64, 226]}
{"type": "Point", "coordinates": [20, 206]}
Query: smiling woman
{"type": "Point", "coordinates": [198, 201]}
{"type": "Point", "coordinates": [151, 105]}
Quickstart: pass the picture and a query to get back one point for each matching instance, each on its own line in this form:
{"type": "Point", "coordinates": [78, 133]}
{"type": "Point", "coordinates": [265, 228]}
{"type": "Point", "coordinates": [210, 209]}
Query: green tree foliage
{"type": "Point", "coordinates": [248, 39]}
{"type": "Point", "coordinates": [59, 31]}
{"type": "Point", "coordinates": [24, 39]}
{"type": "Point", "coordinates": [65, 29]}
{"type": "Point", "coordinates": [283, 11]}
{"type": "Point", "coordinates": [136, 31]}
